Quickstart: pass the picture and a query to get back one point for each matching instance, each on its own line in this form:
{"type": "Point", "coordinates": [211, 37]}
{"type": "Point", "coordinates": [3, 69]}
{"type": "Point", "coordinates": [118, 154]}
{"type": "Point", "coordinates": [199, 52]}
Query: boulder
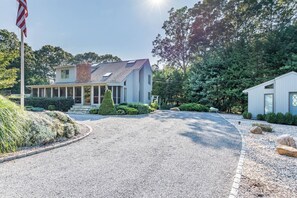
{"type": "Point", "coordinates": [214, 110]}
{"type": "Point", "coordinates": [256, 130]}
{"type": "Point", "coordinates": [175, 109]}
{"type": "Point", "coordinates": [286, 150]}
{"type": "Point", "coordinates": [286, 140]}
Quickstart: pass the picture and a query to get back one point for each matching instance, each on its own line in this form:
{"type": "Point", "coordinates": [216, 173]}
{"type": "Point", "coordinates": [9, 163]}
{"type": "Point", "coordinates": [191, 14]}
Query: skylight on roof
{"type": "Point", "coordinates": [131, 61]}
{"type": "Point", "coordinates": [107, 74]}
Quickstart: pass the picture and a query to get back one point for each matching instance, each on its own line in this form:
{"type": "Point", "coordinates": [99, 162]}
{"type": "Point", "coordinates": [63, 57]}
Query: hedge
{"type": "Point", "coordinates": [193, 107]}
{"type": "Point", "coordinates": [141, 108]}
{"type": "Point", "coordinates": [127, 110]}
{"type": "Point", "coordinates": [61, 104]}
{"type": "Point", "coordinates": [247, 115]}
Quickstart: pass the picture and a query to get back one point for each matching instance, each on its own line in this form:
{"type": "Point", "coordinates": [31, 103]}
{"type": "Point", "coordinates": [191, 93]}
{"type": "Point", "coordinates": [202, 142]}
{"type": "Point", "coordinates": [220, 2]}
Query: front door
{"type": "Point", "coordinates": [293, 103]}
{"type": "Point", "coordinates": [87, 95]}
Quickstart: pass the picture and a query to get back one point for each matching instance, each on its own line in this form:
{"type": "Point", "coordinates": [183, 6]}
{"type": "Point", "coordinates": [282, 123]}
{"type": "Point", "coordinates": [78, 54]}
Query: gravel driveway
{"type": "Point", "coordinates": [165, 154]}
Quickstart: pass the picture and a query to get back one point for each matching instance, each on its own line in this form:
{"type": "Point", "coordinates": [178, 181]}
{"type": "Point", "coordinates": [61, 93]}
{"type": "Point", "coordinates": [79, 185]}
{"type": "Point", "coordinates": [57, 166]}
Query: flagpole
{"type": "Point", "coordinates": [22, 71]}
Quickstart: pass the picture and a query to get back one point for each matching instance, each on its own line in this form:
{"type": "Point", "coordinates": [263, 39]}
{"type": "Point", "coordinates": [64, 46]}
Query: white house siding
{"type": "Point", "coordinates": [283, 87]}
{"type": "Point", "coordinates": [136, 86]}
{"type": "Point", "coordinates": [147, 87]}
{"type": "Point", "coordinates": [72, 75]}
{"type": "Point", "coordinates": [141, 85]}
{"type": "Point", "coordinates": [130, 88]}
{"type": "Point", "coordinates": [256, 100]}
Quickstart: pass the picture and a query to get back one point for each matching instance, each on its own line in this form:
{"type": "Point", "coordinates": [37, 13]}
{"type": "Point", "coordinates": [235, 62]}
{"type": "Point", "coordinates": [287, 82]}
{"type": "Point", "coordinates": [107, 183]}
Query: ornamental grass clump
{"type": "Point", "coordinates": [12, 126]}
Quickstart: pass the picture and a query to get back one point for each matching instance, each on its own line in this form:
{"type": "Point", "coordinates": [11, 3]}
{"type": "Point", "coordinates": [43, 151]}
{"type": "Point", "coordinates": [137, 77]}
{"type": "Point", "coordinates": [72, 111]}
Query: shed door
{"type": "Point", "coordinates": [293, 103]}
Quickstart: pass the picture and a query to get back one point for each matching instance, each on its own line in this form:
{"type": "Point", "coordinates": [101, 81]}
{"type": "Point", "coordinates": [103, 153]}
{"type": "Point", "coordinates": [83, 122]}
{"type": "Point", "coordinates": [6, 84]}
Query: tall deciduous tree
{"type": "Point", "coordinates": [174, 49]}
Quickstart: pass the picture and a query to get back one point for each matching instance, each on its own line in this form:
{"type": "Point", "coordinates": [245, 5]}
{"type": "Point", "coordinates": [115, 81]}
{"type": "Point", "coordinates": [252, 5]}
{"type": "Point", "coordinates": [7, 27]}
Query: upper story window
{"type": "Point", "coordinates": [149, 79]}
{"type": "Point", "coordinates": [65, 74]}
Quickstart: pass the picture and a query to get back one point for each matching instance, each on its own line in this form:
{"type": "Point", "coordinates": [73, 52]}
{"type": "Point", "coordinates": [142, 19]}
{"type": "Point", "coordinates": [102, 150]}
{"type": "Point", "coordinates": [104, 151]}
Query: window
{"type": "Point", "coordinates": [35, 92]}
{"type": "Point", "coordinates": [102, 92]}
{"type": "Point", "coordinates": [268, 103]}
{"type": "Point", "coordinates": [55, 92]}
{"type": "Point", "coordinates": [125, 83]}
{"type": "Point", "coordinates": [96, 94]}
{"type": "Point", "coordinates": [149, 95]}
{"type": "Point", "coordinates": [114, 94]}
{"type": "Point", "coordinates": [119, 95]}
{"type": "Point", "coordinates": [70, 92]}
{"type": "Point", "coordinates": [149, 79]}
{"type": "Point", "coordinates": [78, 95]}
{"type": "Point", "coordinates": [48, 92]}
{"type": "Point", "coordinates": [62, 92]}
{"type": "Point", "coordinates": [271, 86]}
{"type": "Point", "coordinates": [65, 73]}
{"type": "Point", "coordinates": [41, 92]}
{"type": "Point", "coordinates": [125, 95]}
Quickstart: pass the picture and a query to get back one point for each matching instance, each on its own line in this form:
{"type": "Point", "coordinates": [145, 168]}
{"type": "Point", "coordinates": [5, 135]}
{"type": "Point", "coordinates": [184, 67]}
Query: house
{"type": "Point", "coordinates": [129, 81]}
{"type": "Point", "coordinates": [277, 95]}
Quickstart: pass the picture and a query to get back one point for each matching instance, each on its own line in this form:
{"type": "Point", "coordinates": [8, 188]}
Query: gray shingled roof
{"type": "Point", "coordinates": [119, 70]}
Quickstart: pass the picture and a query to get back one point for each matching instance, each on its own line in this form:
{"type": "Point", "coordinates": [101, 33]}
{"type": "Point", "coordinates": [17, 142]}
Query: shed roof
{"type": "Point", "coordinates": [270, 81]}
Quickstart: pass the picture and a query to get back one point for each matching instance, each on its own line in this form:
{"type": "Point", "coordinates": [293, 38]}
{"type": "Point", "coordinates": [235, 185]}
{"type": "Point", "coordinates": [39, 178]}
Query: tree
{"type": "Point", "coordinates": [174, 48]}
{"type": "Point", "coordinates": [8, 52]}
{"type": "Point", "coordinates": [48, 57]}
{"type": "Point", "coordinates": [107, 106]}
{"type": "Point", "coordinates": [93, 58]}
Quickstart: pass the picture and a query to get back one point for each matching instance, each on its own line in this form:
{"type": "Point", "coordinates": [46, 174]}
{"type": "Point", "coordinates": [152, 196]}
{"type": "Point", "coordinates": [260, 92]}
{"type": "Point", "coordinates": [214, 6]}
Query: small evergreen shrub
{"type": "Point", "coordinates": [128, 110]}
{"type": "Point", "coordinates": [247, 115]}
{"type": "Point", "coordinates": [121, 112]}
{"type": "Point", "coordinates": [264, 127]}
{"type": "Point", "coordinates": [193, 107]}
{"type": "Point", "coordinates": [51, 107]}
{"type": "Point", "coordinates": [280, 118]}
{"type": "Point", "coordinates": [94, 111]}
{"type": "Point", "coordinates": [289, 119]}
{"type": "Point", "coordinates": [260, 117]}
{"type": "Point", "coordinates": [107, 107]}
{"type": "Point", "coordinates": [141, 108]}
{"type": "Point", "coordinates": [270, 117]}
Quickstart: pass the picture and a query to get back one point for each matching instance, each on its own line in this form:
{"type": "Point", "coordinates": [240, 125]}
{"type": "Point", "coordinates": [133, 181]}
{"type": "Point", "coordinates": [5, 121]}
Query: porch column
{"type": "Point", "coordinates": [38, 92]}
{"type": "Point", "coordinates": [99, 94]}
{"type": "Point", "coordinates": [66, 92]}
{"type": "Point", "coordinates": [92, 95]}
{"type": "Point", "coordinates": [82, 95]}
{"type": "Point", "coordinates": [52, 92]}
{"type": "Point", "coordinates": [58, 92]}
{"type": "Point", "coordinates": [117, 95]}
{"type": "Point", "coordinates": [73, 93]}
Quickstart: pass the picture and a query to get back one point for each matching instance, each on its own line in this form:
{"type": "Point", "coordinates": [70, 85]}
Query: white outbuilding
{"type": "Point", "coordinates": [277, 95]}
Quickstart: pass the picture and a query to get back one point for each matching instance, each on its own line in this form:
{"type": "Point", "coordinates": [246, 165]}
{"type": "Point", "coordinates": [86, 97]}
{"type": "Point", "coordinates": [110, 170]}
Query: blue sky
{"type": "Point", "coordinates": [125, 28]}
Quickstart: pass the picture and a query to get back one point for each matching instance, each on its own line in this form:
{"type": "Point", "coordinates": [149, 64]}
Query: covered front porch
{"type": "Point", "coordinates": [83, 94]}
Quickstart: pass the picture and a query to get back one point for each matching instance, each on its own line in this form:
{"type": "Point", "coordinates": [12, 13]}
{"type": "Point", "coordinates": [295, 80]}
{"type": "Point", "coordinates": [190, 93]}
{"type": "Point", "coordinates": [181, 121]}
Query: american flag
{"type": "Point", "coordinates": [22, 15]}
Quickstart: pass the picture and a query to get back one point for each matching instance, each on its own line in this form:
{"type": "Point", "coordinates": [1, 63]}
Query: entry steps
{"type": "Point", "coordinates": [80, 109]}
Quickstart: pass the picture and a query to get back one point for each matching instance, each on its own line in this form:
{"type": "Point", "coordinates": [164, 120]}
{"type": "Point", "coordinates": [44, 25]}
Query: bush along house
{"type": "Point", "coordinates": [278, 95]}
{"type": "Point", "coordinates": [129, 81]}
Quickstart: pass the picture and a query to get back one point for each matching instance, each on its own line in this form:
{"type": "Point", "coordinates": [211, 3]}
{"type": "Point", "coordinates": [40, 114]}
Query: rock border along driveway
{"type": "Point", "coordinates": [36, 150]}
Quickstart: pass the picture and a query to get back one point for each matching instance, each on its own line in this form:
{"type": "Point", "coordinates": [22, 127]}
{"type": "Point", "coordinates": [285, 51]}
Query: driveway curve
{"type": "Point", "coordinates": [165, 154]}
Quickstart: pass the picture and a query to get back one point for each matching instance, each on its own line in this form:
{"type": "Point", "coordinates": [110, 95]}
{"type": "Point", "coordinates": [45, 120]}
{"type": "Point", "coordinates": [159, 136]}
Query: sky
{"type": "Point", "coordinates": [125, 28]}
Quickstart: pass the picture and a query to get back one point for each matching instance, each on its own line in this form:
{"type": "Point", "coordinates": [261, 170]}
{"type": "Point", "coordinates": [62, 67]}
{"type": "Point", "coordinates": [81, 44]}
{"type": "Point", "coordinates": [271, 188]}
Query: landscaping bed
{"type": "Point", "coordinates": [22, 129]}
{"type": "Point", "coordinates": [265, 172]}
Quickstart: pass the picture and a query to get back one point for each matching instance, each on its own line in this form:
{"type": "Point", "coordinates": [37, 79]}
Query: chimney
{"type": "Point", "coordinates": [83, 73]}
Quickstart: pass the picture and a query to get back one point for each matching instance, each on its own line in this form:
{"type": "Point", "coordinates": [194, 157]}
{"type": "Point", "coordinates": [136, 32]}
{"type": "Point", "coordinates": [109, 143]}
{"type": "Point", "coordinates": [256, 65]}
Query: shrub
{"type": "Point", "coordinates": [37, 109]}
{"type": "Point", "coordinates": [295, 120]}
{"type": "Point", "coordinates": [193, 107]}
{"type": "Point", "coordinates": [107, 106]}
{"type": "Point", "coordinates": [127, 110]}
{"type": "Point", "coordinates": [166, 106]}
{"type": "Point", "coordinates": [155, 105]}
{"type": "Point", "coordinates": [247, 115]}
{"type": "Point", "coordinates": [289, 119]}
{"type": "Point", "coordinates": [280, 118]}
{"type": "Point", "coordinates": [61, 104]}
{"type": "Point", "coordinates": [12, 125]}
{"type": "Point", "coordinates": [121, 112]}
{"type": "Point", "coordinates": [94, 111]}
{"type": "Point", "coordinates": [28, 108]}
{"type": "Point", "coordinates": [260, 117]}
{"type": "Point", "coordinates": [270, 117]}
{"type": "Point", "coordinates": [264, 127]}
{"type": "Point", "coordinates": [141, 108]}
{"type": "Point", "coordinates": [51, 107]}
{"type": "Point", "coordinates": [152, 109]}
